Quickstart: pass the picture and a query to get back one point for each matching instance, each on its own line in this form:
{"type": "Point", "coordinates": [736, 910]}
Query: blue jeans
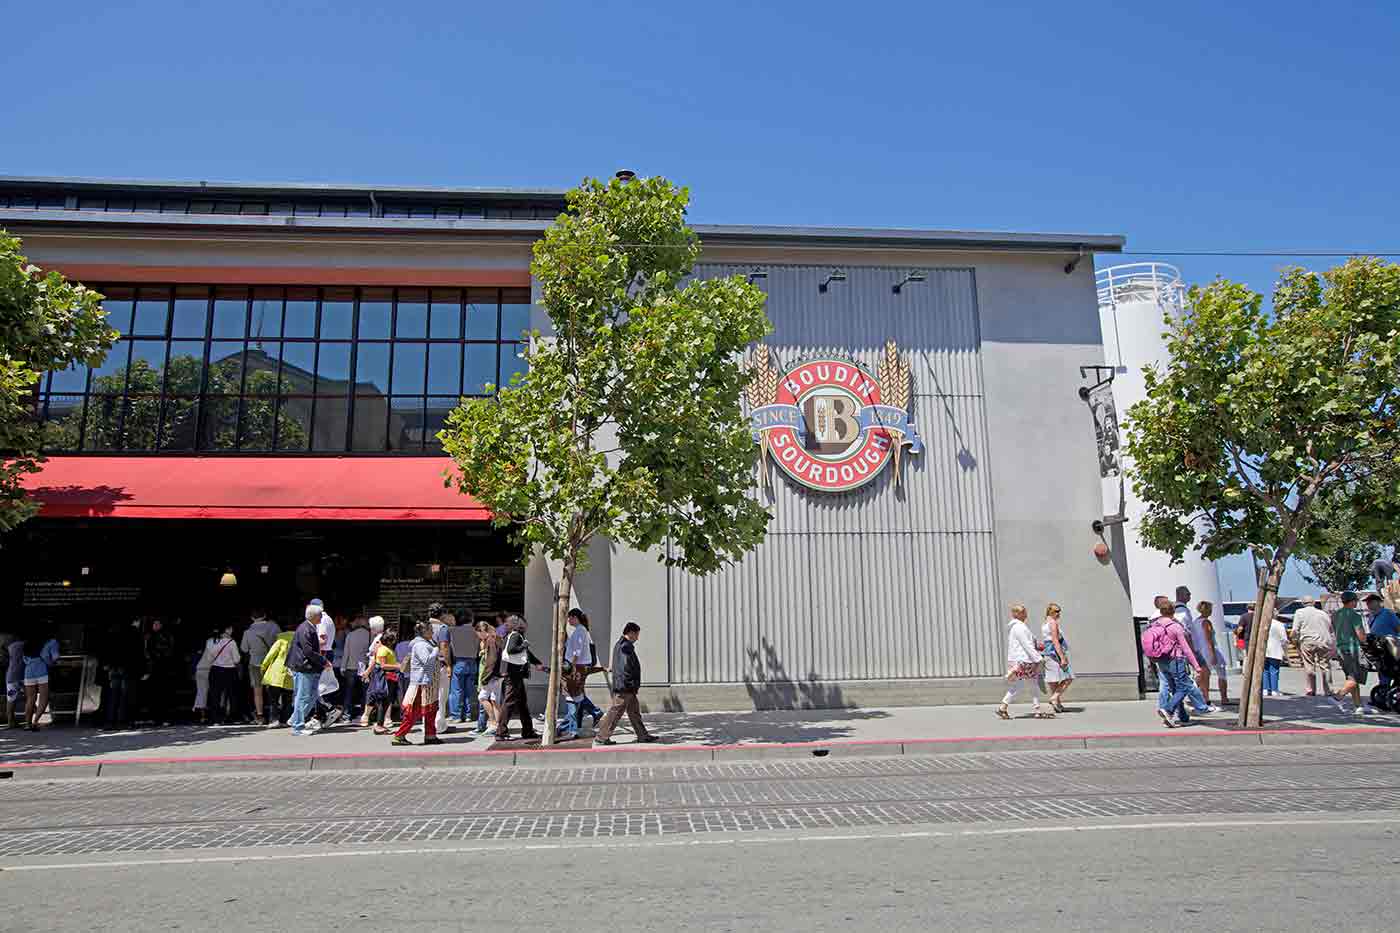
{"type": "Point", "coordinates": [461, 696]}
{"type": "Point", "coordinates": [1174, 676]}
{"type": "Point", "coordinates": [303, 697]}
{"type": "Point", "coordinates": [585, 705]}
{"type": "Point", "coordinates": [1193, 692]}
{"type": "Point", "coordinates": [1271, 666]}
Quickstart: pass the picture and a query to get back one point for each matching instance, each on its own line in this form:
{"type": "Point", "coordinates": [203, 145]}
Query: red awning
{"type": "Point", "coordinates": [347, 488]}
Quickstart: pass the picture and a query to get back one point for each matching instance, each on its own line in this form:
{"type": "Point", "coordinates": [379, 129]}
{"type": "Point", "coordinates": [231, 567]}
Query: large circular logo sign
{"type": "Point", "coordinates": [825, 422]}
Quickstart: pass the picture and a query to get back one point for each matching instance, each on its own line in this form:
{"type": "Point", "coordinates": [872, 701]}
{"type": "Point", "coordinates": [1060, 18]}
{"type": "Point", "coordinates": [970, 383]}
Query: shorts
{"type": "Point", "coordinates": [490, 691]}
{"type": "Point", "coordinates": [1316, 659]}
{"type": "Point", "coordinates": [255, 674]}
{"type": "Point", "coordinates": [1352, 665]}
{"type": "Point", "coordinates": [36, 681]}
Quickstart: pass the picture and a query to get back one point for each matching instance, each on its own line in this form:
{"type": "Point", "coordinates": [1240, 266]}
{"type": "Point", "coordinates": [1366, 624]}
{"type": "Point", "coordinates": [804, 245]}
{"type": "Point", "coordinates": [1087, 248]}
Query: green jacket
{"type": "Point", "coordinates": [274, 666]}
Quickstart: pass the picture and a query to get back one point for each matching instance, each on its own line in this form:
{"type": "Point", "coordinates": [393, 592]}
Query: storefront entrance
{"type": "Point", "coordinates": [88, 576]}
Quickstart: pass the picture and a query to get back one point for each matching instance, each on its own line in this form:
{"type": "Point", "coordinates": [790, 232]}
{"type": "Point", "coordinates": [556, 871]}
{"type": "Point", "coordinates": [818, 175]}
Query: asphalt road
{"type": "Point", "coordinates": [1295, 838]}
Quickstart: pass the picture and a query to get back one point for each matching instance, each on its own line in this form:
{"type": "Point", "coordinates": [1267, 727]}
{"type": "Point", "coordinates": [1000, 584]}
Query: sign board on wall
{"type": "Point", "coordinates": [829, 423]}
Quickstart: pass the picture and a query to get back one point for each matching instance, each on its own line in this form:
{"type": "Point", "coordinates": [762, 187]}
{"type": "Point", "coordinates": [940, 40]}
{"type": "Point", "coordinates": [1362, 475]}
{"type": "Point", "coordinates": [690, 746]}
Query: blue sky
{"type": "Point", "coordinates": [1187, 126]}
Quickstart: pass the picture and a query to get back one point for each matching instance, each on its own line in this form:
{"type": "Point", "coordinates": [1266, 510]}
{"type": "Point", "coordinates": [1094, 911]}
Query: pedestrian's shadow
{"type": "Point", "coordinates": [59, 743]}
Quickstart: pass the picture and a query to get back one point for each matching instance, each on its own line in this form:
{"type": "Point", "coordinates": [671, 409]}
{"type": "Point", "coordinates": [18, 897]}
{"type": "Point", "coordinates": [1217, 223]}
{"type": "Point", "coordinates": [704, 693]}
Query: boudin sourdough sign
{"type": "Point", "coordinates": [830, 424]}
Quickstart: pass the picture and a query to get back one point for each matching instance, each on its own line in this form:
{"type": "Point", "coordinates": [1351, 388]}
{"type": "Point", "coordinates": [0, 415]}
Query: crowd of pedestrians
{"type": "Point", "coordinates": [437, 672]}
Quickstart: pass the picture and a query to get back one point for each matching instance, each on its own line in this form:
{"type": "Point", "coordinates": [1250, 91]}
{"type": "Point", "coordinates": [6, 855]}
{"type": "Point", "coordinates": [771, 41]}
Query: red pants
{"type": "Point", "coordinates": [411, 715]}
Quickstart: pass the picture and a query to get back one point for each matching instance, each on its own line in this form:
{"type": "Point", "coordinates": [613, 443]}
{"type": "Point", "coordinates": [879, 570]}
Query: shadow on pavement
{"type": "Point", "coordinates": [58, 743]}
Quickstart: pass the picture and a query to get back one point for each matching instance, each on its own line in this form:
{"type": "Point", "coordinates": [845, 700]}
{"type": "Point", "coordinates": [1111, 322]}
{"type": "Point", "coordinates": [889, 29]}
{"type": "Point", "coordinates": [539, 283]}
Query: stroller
{"type": "Point", "coordinates": [1383, 654]}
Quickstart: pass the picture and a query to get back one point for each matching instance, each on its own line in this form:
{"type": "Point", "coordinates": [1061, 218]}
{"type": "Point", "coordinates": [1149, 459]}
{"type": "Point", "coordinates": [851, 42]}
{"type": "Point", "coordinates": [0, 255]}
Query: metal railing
{"type": "Point", "coordinates": [1156, 282]}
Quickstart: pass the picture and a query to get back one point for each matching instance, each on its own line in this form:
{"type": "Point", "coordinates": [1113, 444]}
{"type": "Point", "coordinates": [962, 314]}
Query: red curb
{"type": "Point", "coordinates": [652, 749]}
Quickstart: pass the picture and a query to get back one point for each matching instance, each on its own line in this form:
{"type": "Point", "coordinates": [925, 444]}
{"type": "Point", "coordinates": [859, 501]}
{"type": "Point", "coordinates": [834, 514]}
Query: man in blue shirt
{"type": "Point", "coordinates": [1383, 622]}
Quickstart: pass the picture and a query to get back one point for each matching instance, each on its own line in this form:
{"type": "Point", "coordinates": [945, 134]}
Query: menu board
{"type": "Point", "coordinates": [53, 593]}
{"type": "Point", "coordinates": [481, 589]}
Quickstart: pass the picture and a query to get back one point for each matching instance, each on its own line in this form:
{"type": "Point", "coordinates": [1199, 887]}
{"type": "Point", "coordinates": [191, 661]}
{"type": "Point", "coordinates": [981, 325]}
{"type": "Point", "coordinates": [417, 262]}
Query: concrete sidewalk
{"type": "Point", "coordinates": [84, 752]}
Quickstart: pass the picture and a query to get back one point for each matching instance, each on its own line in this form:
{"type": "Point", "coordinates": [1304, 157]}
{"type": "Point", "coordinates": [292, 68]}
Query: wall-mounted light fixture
{"type": "Point", "coordinates": [757, 273]}
{"type": "Point", "coordinates": [835, 275]}
{"type": "Point", "coordinates": [262, 568]}
{"type": "Point", "coordinates": [909, 277]}
{"type": "Point", "coordinates": [84, 570]}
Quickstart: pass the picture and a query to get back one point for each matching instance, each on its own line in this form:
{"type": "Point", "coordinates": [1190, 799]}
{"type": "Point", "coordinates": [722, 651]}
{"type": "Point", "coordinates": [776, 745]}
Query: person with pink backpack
{"type": "Point", "coordinates": [1165, 643]}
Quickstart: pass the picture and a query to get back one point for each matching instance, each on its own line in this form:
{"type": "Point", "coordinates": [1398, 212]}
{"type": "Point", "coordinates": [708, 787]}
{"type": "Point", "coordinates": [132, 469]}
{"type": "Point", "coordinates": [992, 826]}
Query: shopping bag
{"type": "Point", "coordinates": [328, 684]}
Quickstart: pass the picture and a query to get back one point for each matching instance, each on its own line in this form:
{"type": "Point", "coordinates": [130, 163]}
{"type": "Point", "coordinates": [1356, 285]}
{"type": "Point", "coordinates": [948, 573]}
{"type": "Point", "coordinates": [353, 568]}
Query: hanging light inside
{"type": "Point", "coordinates": [228, 579]}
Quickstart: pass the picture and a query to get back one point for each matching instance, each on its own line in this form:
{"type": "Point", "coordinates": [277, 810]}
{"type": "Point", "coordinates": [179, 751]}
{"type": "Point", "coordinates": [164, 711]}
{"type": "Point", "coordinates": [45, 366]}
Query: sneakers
{"type": "Point", "coordinates": [1337, 703]}
{"type": "Point", "coordinates": [313, 726]}
{"type": "Point", "coordinates": [1210, 708]}
{"type": "Point", "coordinates": [333, 717]}
{"type": "Point", "coordinates": [432, 740]}
{"type": "Point", "coordinates": [1367, 710]}
{"type": "Point", "coordinates": [399, 740]}
{"type": "Point", "coordinates": [1167, 719]}
{"type": "Point", "coordinates": [299, 732]}
{"type": "Point", "coordinates": [648, 739]}
{"type": "Point", "coordinates": [1359, 711]}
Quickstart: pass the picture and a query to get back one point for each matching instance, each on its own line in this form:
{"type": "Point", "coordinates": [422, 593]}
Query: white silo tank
{"type": "Point", "coordinates": [1134, 299]}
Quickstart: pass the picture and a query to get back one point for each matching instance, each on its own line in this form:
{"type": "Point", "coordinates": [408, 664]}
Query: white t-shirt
{"type": "Point", "coordinates": [325, 631]}
{"type": "Point", "coordinates": [221, 652]}
{"type": "Point", "coordinates": [578, 650]}
{"type": "Point", "coordinates": [1277, 636]}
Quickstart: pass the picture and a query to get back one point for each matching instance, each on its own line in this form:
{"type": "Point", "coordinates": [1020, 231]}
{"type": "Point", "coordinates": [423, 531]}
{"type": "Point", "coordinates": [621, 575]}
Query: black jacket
{"type": "Point", "coordinates": [626, 669]}
{"type": "Point", "coordinates": [304, 654]}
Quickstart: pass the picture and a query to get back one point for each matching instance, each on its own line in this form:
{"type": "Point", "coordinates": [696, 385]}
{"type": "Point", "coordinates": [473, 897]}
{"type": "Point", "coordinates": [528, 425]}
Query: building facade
{"type": "Point", "coordinates": [288, 354]}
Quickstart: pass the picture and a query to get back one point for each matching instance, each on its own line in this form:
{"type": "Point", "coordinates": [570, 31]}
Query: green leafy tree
{"type": "Point", "coordinates": [46, 323]}
{"type": "Point", "coordinates": [1338, 552]}
{"type": "Point", "coordinates": [1257, 417]}
{"type": "Point", "coordinates": [628, 421]}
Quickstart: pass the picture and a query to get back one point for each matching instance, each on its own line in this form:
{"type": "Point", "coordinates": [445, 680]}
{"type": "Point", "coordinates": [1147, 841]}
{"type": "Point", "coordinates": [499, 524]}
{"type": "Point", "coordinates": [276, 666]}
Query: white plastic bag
{"type": "Point", "coordinates": [328, 684]}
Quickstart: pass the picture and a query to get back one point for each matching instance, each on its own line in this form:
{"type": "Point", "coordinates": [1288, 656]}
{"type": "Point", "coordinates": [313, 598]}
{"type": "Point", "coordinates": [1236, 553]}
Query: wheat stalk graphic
{"type": "Point", "coordinates": [762, 390]}
{"type": "Point", "coordinates": [895, 389]}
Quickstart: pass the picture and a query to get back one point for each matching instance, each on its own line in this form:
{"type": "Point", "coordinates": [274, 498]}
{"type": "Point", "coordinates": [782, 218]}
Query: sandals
{"type": "Point", "coordinates": [1041, 714]}
{"type": "Point", "coordinates": [1059, 707]}
{"type": "Point", "coordinates": [1002, 712]}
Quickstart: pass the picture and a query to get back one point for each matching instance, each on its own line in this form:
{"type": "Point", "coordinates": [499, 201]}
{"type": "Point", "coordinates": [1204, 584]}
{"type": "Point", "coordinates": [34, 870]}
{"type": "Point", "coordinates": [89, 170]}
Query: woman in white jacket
{"type": "Point", "coordinates": [1023, 665]}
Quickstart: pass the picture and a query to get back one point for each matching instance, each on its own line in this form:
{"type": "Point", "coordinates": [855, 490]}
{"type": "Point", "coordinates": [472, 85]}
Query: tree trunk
{"type": "Point", "coordinates": [563, 590]}
{"type": "Point", "coordinates": [1251, 691]}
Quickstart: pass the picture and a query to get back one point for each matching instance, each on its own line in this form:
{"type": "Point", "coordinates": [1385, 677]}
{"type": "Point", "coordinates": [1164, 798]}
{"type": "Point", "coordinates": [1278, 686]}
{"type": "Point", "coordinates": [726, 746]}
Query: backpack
{"type": "Point", "coordinates": [1157, 642]}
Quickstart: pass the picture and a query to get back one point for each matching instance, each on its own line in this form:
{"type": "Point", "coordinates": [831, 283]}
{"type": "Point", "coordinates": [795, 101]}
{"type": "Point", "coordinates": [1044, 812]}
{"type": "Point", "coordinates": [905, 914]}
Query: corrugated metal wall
{"type": "Point", "coordinates": [884, 582]}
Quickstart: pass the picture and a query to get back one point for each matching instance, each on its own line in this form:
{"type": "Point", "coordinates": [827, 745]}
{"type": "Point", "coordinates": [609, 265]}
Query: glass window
{"type": "Point", "coordinates": [201, 207]}
{"type": "Point", "coordinates": [308, 209]}
{"type": "Point", "coordinates": [331, 422]}
{"type": "Point", "coordinates": [280, 208]}
{"type": "Point", "coordinates": [84, 204]}
{"type": "Point", "coordinates": [255, 421]}
{"type": "Point", "coordinates": [300, 319]}
{"type": "Point", "coordinates": [260, 369]}
{"type": "Point", "coordinates": [372, 368]}
{"type": "Point", "coordinates": [219, 428]}
{"type": "Point", "coordinates": [110, 375]}
{"type": "Point", "coordinates": [185, 371]}
{"type": "Point", "coordinates": [435, 420]}
{"type": "Point", "coordinates": [444, 368]}
{"type": "Point", "coordinates": [358, 210]}
{"type": "Point", "coordinates": [118, 303]}
{"type": "Point", "coordinates": [333, 368]}
{"type": "Point", "coordinates": [332, 210]}
{"type": "Point", "coordinates": [123, 206]}
{"type": "Point", "coordinates": [72, 379]}
{"type": "Point", "coordinates": [191, 312]}
{"type": "Point", "coordinates": [253, 207]}
{"type": "Point", "coordinates": [445, 319]}
{"type": "Point", "coordinates": [102, 430]}
{"type": "Point", "coordinates": [406, 424]}
{"type": "Point", "coordinates": [337, 309]}
{"type": "Point", "coordinates": [376, 304]}
{"type": "Point", "coordinates": [480, 368]}
{"type": "Point", "coordinates": [449, 213]}
{"type": "Point", "coordinates": [147, 206]}
{"type": "Point", "coordinates": [512, 361]}
{"type": "Point", "coordinates": [409, 366]}
{"type": "Point", "coordinates": [515, 313]}
{"type": "Point", "coordinates": [481, 313]}
{"type": "Point", "coordinates": [226, 207]}
{"type": "Point", "coordinates": [147, 364]}
{"type": "Point", "coordinates": [226, 367]}
{"type": "Point", "coordinates": [140, 422]}
{"type": "Point", "coordinates": [266, 321]}
{"type": "Point", "coordinates": [412, 318]}
{"type": "Point", "coordinates": [230, 313]}
{"type": "Point", "coordinates": [152, 311]}
{"type": "Point", "coordinates": [174, 207]}
{"type": "Point", "coordinates": [298, 364]}
{"type": "Point", "coordinates": [64, 422]}
{"type": "Point", "coordinates": [371, 415]}
{"type": "Point", "coordinates": [180, 425]}
{"type": "Point", "coordinates": [293, 423]}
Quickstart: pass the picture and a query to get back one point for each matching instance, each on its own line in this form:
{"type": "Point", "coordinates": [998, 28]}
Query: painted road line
{"type": "Point", "coordinates": [727, 841]}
